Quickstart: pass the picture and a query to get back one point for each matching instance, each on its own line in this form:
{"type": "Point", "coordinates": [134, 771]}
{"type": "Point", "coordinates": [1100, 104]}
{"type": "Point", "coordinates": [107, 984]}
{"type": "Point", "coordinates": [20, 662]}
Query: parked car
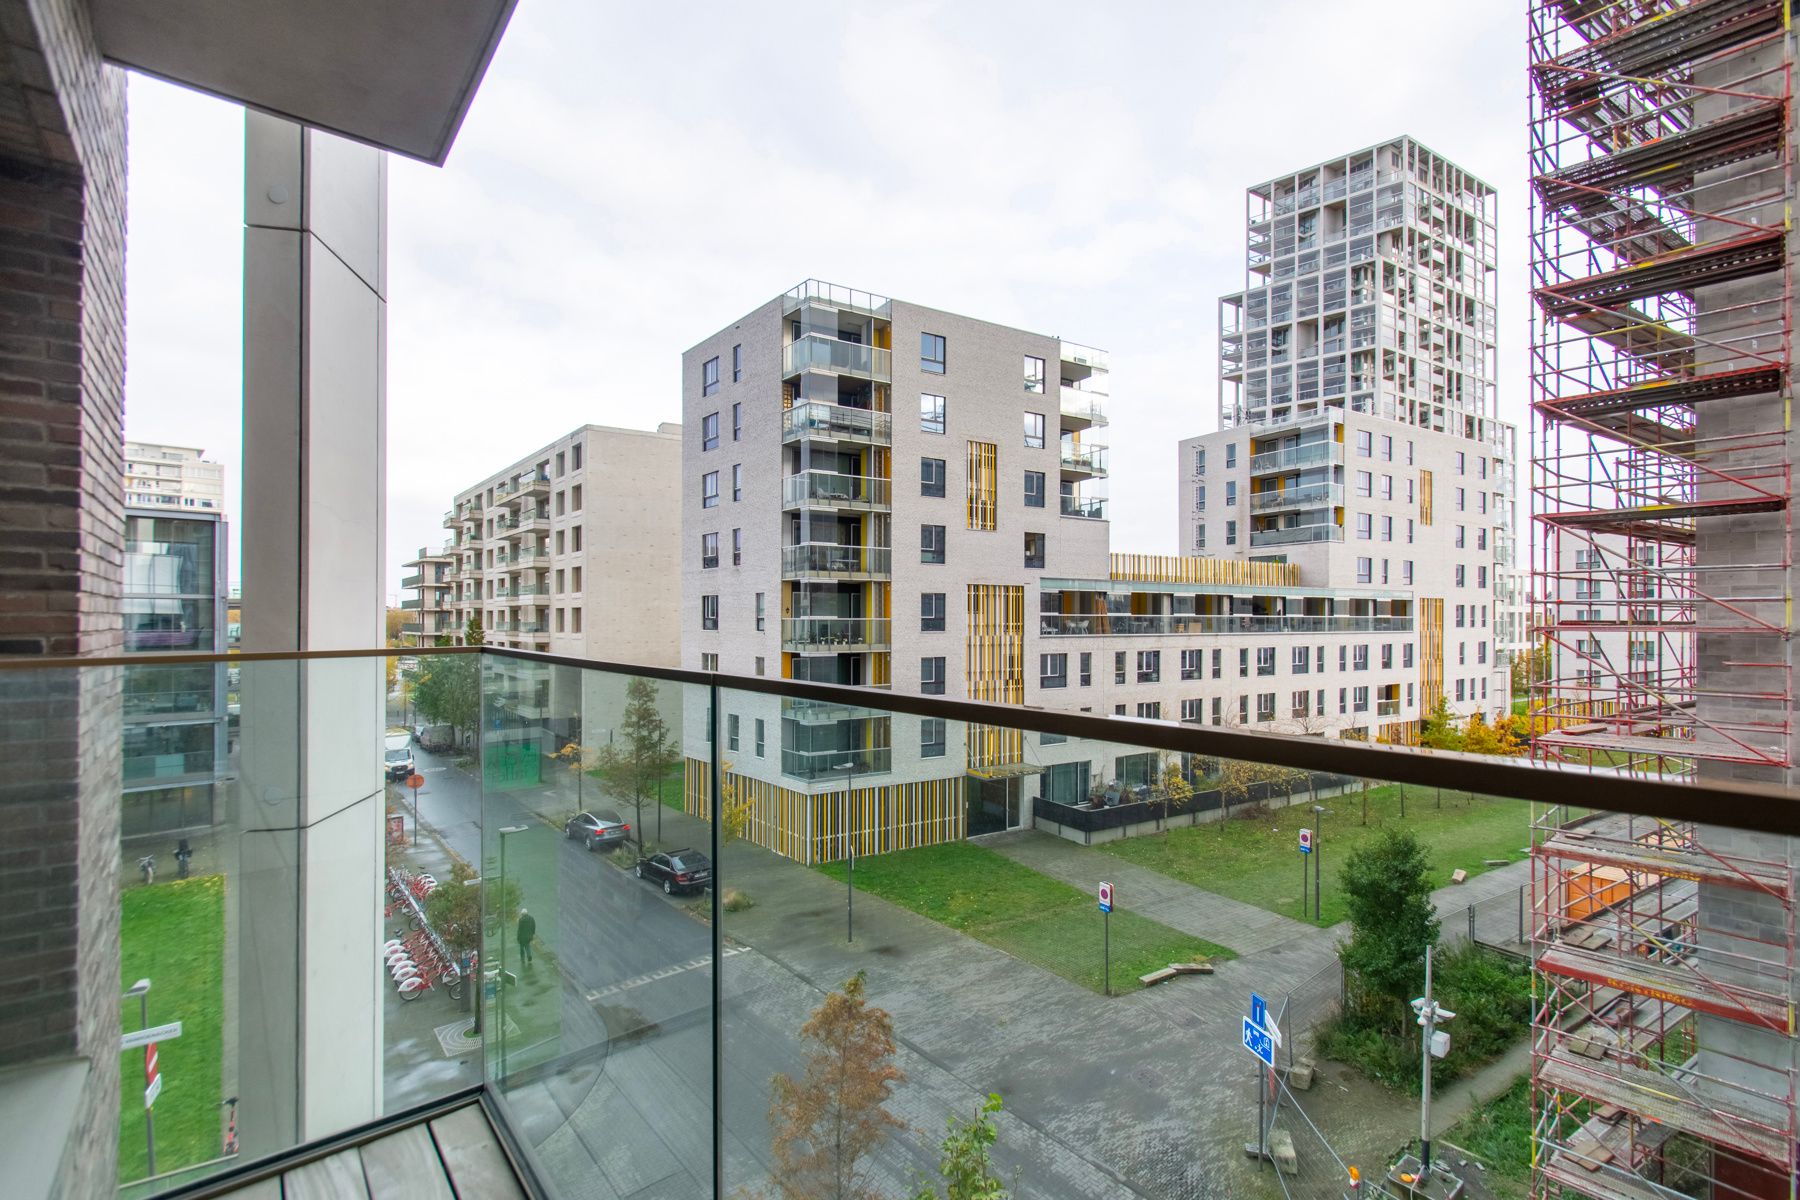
{"type": "Point", "coordinates": [599, 830]}
{"type": "Point", "coordinates": [399, 756]}
{"type": "Point", "coordinates": [679, 870]}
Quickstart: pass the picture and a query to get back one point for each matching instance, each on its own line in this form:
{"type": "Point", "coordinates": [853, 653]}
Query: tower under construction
{"type": "Point", "coordinates": [1664, 1057]}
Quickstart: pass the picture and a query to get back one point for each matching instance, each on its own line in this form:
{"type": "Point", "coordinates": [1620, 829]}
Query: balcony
{"type": "Point", "coordinates": [1298, 535]}
{"type": "Point", "coordinates": [1090, 508]}
{"type": "Point", "coordinates": [1083, 461]}
{"type": "Point", "coordinates": [1298, 456]}
{"type": "Point", "coordinates": [1085, 356]}
{"type": "Point", "coordinates": [830, 295]}
{"type": "Point", "coordinates": [834, 635]}
{"type": "Point", "coordinates": [1082, 408]}
{"type": "Point", "coordinates": [1312, 495]}
{"type": "Point", "coordinates": [518, 489]}
{"type": "Point", "coordinates": [527, 556]}
{"type": "Point", "coordinates": [1189, 624]}
{"type": "Point", "coordinates": [827, 489]}
{"type": "Point", "coordinates": [449, 519]}
{"type": "Point", "coordinates": [816, 352]}
{"type": "Point", "coordinates": [409, 582]}
{"type": "Point", "coordinates": [829, 560]}
{"type": "Point", "coordinates": [813, 765]}
{"type": "Point", "coordinates": [835, 423]}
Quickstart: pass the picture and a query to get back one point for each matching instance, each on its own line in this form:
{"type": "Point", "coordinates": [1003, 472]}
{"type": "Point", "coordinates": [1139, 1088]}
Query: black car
{"type": "Point", "coordinates": [678, 870]}
{"type": "Point", "coordinates": [600, 830]}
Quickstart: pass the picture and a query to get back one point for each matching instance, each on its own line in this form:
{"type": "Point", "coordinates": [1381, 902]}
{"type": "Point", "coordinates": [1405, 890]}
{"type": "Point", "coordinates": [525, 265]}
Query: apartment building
{"type": "Point", "coordinates": [434, 580]}
{"type": "Point", "coordinates": [879, 493]}
{"type": "Point", "coordinates": [158, 476]}
{"type": "Point", "coordinates": [1358, 431]}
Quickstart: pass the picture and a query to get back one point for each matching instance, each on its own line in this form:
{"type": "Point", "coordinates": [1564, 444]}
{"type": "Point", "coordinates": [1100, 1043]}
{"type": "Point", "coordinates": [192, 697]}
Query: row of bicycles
{"type": "Point", "coordinates": [420, 960]}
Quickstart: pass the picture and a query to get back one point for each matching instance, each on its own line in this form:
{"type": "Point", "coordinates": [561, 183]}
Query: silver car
{"type": "Point", "coordinates": [599, 830]}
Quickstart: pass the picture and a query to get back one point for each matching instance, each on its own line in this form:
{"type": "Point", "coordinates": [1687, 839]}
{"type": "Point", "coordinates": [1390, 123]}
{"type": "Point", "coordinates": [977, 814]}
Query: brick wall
{"type": "Point", "coordinates": [62, 366]}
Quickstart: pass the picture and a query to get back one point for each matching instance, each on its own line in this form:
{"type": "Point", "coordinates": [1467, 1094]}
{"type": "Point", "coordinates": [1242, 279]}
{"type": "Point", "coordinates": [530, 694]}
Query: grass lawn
{"type": "Point", "coordinates": [1257, 860]}
{"type": "Point", "coordinates": [174, 935]}
{"type": "Point", "coordinates": [1011, 907]}
{"type": "Point", "coordinates": [1499, 1134]}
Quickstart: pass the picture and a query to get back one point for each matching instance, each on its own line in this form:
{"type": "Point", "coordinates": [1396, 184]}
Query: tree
{"type": "Point", "coordinates": [455, 908]}
{"type": "Point", "coordinates": [1387, 889]}
{"type": "Point", "coordinates": [967, 1166]}
{"type": "Point", "coordinates": [1442, 731]}
{"type": "Point", "coordinates": [836, 1113]}
{"type": "Point", "coordinates": [735, 803]}
{"type": "Point", "coordinates": [396, 619]}
{"type": "Point", "coordinates": [472, 633]}
{"type": "Point", "coordinates": [1176, 790]}
{"type": "Point", "coordinates": [580, 760]}
{"type": "Point", "coordinates": [448, 691]}
{"type": "Point", "coordinates": [633, 770]}
{"type": "Point", "coordinates": [1503, 737]}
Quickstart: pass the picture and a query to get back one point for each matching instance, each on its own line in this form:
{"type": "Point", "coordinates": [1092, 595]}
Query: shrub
{"type": "Point", "coordinates": [735, 900]}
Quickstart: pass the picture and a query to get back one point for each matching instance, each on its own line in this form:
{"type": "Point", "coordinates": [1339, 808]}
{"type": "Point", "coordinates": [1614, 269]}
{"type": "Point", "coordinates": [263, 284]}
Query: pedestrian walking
{"type": "Point", "coordinates": [527, 933]}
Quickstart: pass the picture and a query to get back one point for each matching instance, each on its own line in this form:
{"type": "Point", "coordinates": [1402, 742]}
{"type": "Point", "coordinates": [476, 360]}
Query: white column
{"type": "Point", "coordinates": [311, 792]}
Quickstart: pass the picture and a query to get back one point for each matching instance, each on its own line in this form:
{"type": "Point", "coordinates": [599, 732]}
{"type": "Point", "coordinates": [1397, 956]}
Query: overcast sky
{"type": "Point", "coordinates": [633, 177]}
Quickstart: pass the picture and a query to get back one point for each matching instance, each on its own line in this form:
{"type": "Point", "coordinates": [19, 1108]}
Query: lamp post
{"type": "Point", "coordinates": [141, 989]}
{"type": "Point", "coordinates": [1319, 811]}
{"type": "Point", "coordinates": [500, 983]}
{"type": "Point", "coordinates": [849, 768]}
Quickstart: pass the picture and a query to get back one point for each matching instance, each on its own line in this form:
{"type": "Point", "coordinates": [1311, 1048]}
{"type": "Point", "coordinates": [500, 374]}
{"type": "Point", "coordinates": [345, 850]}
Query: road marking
{"type": "Point", "coordinates": [665, 973]}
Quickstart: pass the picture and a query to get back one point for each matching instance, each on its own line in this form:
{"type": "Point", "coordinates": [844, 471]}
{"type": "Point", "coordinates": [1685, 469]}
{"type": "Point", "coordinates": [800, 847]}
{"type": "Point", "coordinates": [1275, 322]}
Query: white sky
{"type": "Point", "coordinates": [630, 180]}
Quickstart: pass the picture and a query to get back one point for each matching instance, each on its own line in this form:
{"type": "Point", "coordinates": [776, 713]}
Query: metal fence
{"type": "Point", "coordinates": [1306, 1007]}
{"type": "Point", "coordinates": [1500, 922]}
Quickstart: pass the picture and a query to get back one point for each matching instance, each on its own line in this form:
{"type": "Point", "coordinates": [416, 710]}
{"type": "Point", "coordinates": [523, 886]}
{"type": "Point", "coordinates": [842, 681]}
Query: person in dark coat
{"type": "Point", "coordinates": [527, 933]}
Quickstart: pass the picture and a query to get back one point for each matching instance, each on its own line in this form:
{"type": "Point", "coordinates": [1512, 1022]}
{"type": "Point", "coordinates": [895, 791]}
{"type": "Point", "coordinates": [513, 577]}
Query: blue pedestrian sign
{"type": "Point", "coordinates": [1258, 1042]}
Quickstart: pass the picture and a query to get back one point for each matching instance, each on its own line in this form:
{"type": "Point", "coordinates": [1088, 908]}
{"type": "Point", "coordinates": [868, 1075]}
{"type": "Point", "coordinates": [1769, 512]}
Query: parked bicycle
{"type": "Point", "coordinates": [147, 865]}
{"type": "Point", "coordinates": [184, 854]}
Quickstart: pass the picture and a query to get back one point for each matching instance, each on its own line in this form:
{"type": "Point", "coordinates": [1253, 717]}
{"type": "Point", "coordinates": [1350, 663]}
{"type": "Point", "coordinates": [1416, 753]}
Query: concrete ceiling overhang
{"type": "Point", "coordinates": [397, 74]}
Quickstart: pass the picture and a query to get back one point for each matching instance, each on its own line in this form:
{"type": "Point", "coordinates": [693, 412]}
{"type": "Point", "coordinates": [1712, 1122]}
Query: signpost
{"type": "Point", "coordinates": [1260, 1038]}
{"type": "Point", "coordinates": [415, 781]}
{"type": "Point", "coordinates": [156, 1033]}
{"type": "Point", "coordinates": [1305, 850]}
{"type": "Point", "coordinates": [1105, 894]}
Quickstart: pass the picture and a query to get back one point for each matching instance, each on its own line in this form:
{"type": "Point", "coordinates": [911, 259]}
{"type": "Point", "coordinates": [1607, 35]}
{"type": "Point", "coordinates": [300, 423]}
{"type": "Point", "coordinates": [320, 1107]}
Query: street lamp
{"type": "Point", "coordinates": [141, 989]}
{"type": "Point", "coordinates": [849, 768]}
{"type": "Point", "coordinates": [500, 983]}
{"type": "Point", "coordinates": [1319, 811]}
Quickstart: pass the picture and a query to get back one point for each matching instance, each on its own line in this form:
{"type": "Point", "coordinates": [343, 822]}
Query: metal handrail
{"type": "Point", "coordinates": [1757, 807]}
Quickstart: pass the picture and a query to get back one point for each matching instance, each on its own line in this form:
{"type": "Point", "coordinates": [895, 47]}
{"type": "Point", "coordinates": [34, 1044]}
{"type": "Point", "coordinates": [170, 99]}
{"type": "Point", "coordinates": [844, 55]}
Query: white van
{"type": "Point", "coordinates": [399, 754]}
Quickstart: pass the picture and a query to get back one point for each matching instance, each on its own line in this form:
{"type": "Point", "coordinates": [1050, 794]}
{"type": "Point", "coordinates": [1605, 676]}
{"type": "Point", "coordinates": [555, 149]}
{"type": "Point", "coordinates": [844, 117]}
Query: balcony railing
{"type": "Point", "coordinates": [831, 559]}
{"type": "Point", "coordinates": [1085, 356]}
{"type": "Point", "coordinates": [409, 582]}
{"type": "Point", "coordinates": [1092, 508]}
{"type": "Point", "coordinates": [831, 294]}
{"type": "Point", "coordinates": [1084, 460]}
{"type": "Point", "coordinates": [834, 634]}
{"type": "Point", "coordinates": [1082, 408]}
{"type": "Point", "coordinates": [816, 352]}
{"type": "Point", "coordinates": [828, 489]}
{"type": "Point", "coordinates": [1298, 456]}
{"type": "Point", "coordinates": [835, 422]}
{"type": "Point", "coordinates": [836, 764]}
{"type": "Point", "coordinates": [1298, 535]}
{"type": "Point", "coordinates": [1113, 624]}
{"type": "Point", "coordinates": [1312, 495]}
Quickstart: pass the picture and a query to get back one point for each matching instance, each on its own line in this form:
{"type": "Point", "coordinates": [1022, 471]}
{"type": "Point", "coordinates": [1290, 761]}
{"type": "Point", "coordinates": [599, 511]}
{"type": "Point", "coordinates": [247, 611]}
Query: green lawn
{"type": "Point", "coordinates": [173, 934]}
{"type": "Point", "coordinates": [1257, 859]}
{"type": "Point", "coordinates": [1498, 1133]}
{"type": "Point", "coordinates": [1030, 916]}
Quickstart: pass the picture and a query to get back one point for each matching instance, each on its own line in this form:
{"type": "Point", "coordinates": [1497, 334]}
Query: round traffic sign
{"type": "Point", "coordinates": [415, 781]}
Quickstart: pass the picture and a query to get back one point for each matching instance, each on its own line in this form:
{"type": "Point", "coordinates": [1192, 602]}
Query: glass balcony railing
{"type": "Point", "coordinates": [816, 352]}
{"type": "Point", "coordinates": [831, 294]}
{"type": "Point", "coordinates": [1082, 408]}
{"type": "Point", "coordinates": [682, 982]}
{"type": "Point", "coordinates": [1113, 624]}
{"type": "Point", "coordinates": [834, 634]}
{"type": "Point", "coordinates": [831, 559]}
{"type": "Point", "coordinates": [1297, 535]}
{"type": "Point", "coordinates": [1298, 456]}
{"type": "Point", "coordinates": [409, 582]}
{"type": "Point", "coordinates": [1312, 495]}
{"type": "Point", "coordinates": [828, 489]}
{"type": "Point", "coordinates": [835, 422]}
{"type": "Point", "coordinates": [1084, 460]}
{"type": "Point", "coordinates": [1085, 356]}
{"type": "Point", "coordinates": [1092, 508]}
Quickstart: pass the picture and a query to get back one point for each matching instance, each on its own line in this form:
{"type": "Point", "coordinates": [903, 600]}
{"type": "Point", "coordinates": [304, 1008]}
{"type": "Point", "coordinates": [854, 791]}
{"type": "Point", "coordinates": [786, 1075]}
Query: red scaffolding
{"type": "Point", "coordinates": [1661, 336]}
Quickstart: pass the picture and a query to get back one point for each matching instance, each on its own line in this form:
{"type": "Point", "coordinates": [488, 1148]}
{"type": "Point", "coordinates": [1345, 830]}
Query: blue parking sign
{"type": "Point", "coordinates": [1258, 1042]}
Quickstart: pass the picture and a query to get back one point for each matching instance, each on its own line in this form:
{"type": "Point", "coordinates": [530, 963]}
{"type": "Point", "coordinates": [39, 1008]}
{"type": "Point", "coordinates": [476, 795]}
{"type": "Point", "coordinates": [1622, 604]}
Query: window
{"type": "Point", "coordinates": [737, 363]}
{"type": "Point", "coordinates": [931, 543]}
{"type": "Point", "coordinates": [1302, 660]}
{"type": "Point", "coordinates": [1034, 375]}
{"type": "Point", "coordinates": [1199, 460]}
{"type": "Point", "coordinates": [1087, 668]}
{"type": "Point", "coordinates": [1217, 718]}
{"type": "Point", "coordinates": [761, 741]}
{"type": "Point", "coordinates": [709, 551]}
{"type": "Point", "coordinates": [1300, 704]}
{"type": "Point", "coordinates": [1409, 530]}
{"type": "Point", "coordinates": [1387, 529]}
{"type": "Point", "coordinates": [737, 422]}
{"type": "Point", "coordinates": [931, 413]}
{"type": "Point", "coordinates": [1460, 610]}
{"type": "Point", "coordinates": [931, 676]}
{"type": "Point", "coordinates": [761, 617]}
{"type": "Point", "coordinates": [1231, 454]}
{"type": "Point", "coordinates": [1365, 484]}
{"type": "Point", "coordinates": [1343, 702]}
{"type": "Point", "coordinates": [709, 662]}
{"type": "Point", "coordinates": [1034, 550]}
{"type": "Point", "coordinates": [1359, 699]}
{"type": "Point", "coordinates": [709, 376]}
{"type": "Point", "coordinates": [1359, 658]}
{"type": "Point", "coordinates": [1231, 533]}
{"type": "Point", "coordinates": [1365, 443]}
{"type": "Point", "coordinates": [1481, 466]}
{"type": "Point", "coordinates": [1461, 537]}
{"type": "Point", "coordinates": [562, 500]}
{"type": "Point", "coordinates": [1149, 666]}
{"type": "Point", "coordinates": [931, 477]}
{"type": "Point", "coordinates": [1462, 499]}
{"type": "Point", "coordinates": [1265, 706]}
{"type": "Point", "coordinates": [1265, 660]}
{"type": "Point", "coordinates": [575, 457]}
{"type": "Point", "coordinates": [1150, 710]}
{"type": "Point", "coordinates": [1243, 710]}
{"type": "Point", "coordinates": [931, 611]}
{"type": "Point", "coordinates": [1053, 670]}
{"type": "Point", "coordinates": [1364, 526]}
{"type": "Point", "coordinates": [1462, 463]}
{"type": "Point", "coordinates": [1365, 570]}
{"type": "Point", "coordinates": [931, 737]}
{"type": "Point", "coordinates": [1200, 536]}
{"type": "Point", "coordinates": [731, 731]}
{"type": "Point", "coordinates": [1200, 498]}
{"type": "Point", "coordinates": [1406, 571]}
{"type": "Point", "coordinates": [1230, 492]}
{"type": "Point", "coordinates": [709, 490]}
{"type": "Point", "coordinates": [1218, 664]}
{"type": "Point", "coordinates": [1387, 448]}
{"type": "Point", "coordinates": [1190, 664]}
{"type": "Point", "coordinates": [932, 354]}
{"type": "Point", "coordinates": [575, 538]}
{"type": "Point", "coordinates": [1480, 577]}
{"type": "Point", "coordinates": [1406, 654]}
{"type": "Point", "coordinates": [1243, 662]}
{"type": "Point", "coordinates": [1387, 656]}
{"type": "Point", "coordinates": [1462, 575]}
{"type": "Point", "coordinates": [575, 498]}
{"type": "Point", "coordinates": [1118, 666]}
{"type": "Point", "coordinates": [575, 575]}
{"type": "Point", "coordinates": [1190, 711]}
{"type": "Point", "coordinates": [1409, 452]}
{"type": "Point", "coordinates": [1481, 539]}
{"type": "Point", "coordinates": [737, 482]}
{"type": "Point", "coordinates": [559, 464]}
{"type": "Point", "coordinates": [1034, 489]}
{"type": "Point", "coordinates": [737, 547]}
{"type": "Point", "coordinates": [1387, 487]}
{"type": "Point", "coordinates": [1034, 431]}
{"type": "Point", "coordinates": [709, 612]}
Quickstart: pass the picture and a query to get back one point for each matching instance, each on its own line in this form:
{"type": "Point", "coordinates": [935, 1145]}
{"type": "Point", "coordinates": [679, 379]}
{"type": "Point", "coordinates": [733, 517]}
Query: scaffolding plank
{"type": "Point", "coordinates": [1610, 1182]}
{"type": "Point", "coordinates": [1665, 393]}
{"type": "Point", "coordinates": [1652, 47]}
{"type": "Point", "coordinates": [1670, 163]}
{"type": "Point", "coordinates": [1680, 271]}
{"type": "Point", "coordinates": [1660, 981]}
{"type": "Point", "coordinates": [1655, 1096]}
{"type": "Point", "coordinates": [1672, 862]}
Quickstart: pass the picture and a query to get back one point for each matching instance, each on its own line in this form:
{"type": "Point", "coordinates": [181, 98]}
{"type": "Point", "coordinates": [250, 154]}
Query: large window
{"type": "Point", "coordinates": [1034, 550]}
{"type": "Point", "coordinates": [1149, 666]}
{"type": "Point", "coordinates": [1265, 660]}
{"type": "Point", "coordinates": [931, 477]}
{"type": "Point", "coordinates": [1053, 670]}
{"type": "Point", "coordinates": [931, 612]}
{"type": "Point", "coordinates": [1190, 664]}
{"type": "Point", "coordinates": [931, 676]}
{"type": "Point", "coordinates": [709, 551]}
{"type": "Point", "coordinates": [709, 376]}
{"type": "Point", "coordinates": [1034, 489]}
{"type": "Point", "coordinates": [709, 431]}
{"type": "Point", "coordinates": [931, 413]}
{"type": "Point", "coordinates": [932, 354]}
{"type": "Point", "coordinates": [931, 543]}
{"type": "Point", "coordinates": [709, 490]}
{"type": "Point", "coordinates": [709, 612]}
{"type": "Point", "coordinates": [1034, 375]}
{"type": "Point", "coordinates": [931, 737]}
{"type": "Point", "coordinates": [1034, 431]}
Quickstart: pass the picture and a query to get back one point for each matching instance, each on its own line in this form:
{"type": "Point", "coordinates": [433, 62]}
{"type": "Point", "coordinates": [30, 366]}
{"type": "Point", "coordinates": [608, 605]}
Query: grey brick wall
{"type": "Point", "coordinates": [62, 369]}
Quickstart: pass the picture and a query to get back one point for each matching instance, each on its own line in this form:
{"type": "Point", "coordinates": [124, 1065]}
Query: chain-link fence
{"type": "Point", "coordinates": [1500, 922]}
{"type": "Point", "coordinates": [1307, 1006]}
